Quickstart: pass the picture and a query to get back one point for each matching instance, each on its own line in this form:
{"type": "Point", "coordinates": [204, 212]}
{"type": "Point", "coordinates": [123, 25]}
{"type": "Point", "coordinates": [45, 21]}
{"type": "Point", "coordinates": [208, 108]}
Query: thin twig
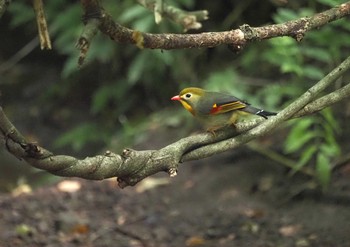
{"type": "Point", "coordinates": [19, 55]}
{"type": "Point", "coordinates": [279, 158]}
{"type": "Point", "coordinates": [45, 42]}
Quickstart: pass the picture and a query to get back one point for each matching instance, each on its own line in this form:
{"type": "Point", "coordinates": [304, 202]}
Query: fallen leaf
{"type": "Point", "coordinates": [289, 230]}
{"type": "Point", "coordinates": [21, 189]}
{"type": "Point", "coordinates": [24, 230]}
{"type": "Point", "coordinates": [195, 241]}
{"type": "Point", "coordinates": [254, 213]}
{"type": "Point", "coordinates": [251, 227]}
{"type": "Point", "coordinates": [80, 229]}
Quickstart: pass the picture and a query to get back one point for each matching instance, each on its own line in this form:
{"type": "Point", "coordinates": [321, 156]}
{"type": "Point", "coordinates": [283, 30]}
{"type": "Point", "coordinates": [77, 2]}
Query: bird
{"type": "Point", "coordinates": [216, 110]}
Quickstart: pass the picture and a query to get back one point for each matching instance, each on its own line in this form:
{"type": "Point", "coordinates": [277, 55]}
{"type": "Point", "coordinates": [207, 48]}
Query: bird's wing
{"type": "Point", "coordinates": [225, 103]}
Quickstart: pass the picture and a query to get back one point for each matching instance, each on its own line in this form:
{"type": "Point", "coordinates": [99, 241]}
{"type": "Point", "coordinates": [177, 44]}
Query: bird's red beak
{"type": "Point", "coordinates": [177, 97]}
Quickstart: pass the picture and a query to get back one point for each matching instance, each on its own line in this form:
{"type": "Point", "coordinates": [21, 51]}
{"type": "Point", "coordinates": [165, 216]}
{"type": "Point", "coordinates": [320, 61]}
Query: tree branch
{"type": "Point", "coordinates": [95, 17]}
{"type": "Point", "coordinates": [44, 37]}
{"type": "Point", "coordinates": [132, 166]}
{"type": "Point", "coordinates": [91, 19]}
{"type": "Point", "coordinates": [237, 38]}
{"type": "Point", "coordinates": [273, 122]}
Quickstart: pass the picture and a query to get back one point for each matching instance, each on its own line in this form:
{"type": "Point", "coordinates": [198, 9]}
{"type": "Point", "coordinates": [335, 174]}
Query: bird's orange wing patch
{"type": "Point", "coordinates": [235, 105]}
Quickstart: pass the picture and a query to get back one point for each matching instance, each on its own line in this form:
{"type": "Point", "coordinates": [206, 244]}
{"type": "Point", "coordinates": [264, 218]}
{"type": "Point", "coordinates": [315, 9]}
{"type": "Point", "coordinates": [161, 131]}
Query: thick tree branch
{"type": "Point", "coordinates": [132, 166]}
{"type": "Point", "coordinates": [237, 38]}
{"type": "Point", "coordinates": [95, 17]}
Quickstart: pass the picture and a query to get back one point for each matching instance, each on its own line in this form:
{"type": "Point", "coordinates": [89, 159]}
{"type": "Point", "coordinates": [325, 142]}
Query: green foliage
{"type": "Point", "coordinates": [79, 136]}
{"type": "Point", "coordinates": [323, 170]}
{"type": "Point", "coordinates": [107, 96]}
{"type": "Point", "coordinates": [22, 14]}
{"type": "Point", "coordinates": [313, 139]}
{"type": "Point", "coordinates": [308, 59]}
{"type": "Point", "coordinates": [226, 80]}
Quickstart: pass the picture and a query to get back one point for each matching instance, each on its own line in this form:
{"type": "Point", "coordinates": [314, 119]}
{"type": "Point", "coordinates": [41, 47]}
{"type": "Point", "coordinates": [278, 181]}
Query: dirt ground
{"type": "Point", "coordinates": [236, 199]}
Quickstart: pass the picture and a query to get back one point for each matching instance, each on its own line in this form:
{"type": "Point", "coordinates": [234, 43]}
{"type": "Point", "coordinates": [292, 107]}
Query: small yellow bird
{"type": "Point", "coordinates": [216, 110]}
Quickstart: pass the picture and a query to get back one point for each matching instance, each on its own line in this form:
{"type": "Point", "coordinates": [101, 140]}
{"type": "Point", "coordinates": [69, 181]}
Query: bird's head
{"type": "Point", "coordinates": [190, 98]}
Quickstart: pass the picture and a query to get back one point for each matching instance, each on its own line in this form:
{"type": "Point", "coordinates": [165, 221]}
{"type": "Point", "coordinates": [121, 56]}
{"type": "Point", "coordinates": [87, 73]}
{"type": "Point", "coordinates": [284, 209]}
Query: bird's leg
{"type": "Point", "coordinates": [233, 119]}
{"type": "Point", "coordinates": [212, 130]}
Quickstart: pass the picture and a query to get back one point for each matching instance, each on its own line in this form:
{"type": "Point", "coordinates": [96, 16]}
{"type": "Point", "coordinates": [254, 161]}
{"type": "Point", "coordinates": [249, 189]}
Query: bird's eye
{"type": "Point", "coordinates": [188, 95]}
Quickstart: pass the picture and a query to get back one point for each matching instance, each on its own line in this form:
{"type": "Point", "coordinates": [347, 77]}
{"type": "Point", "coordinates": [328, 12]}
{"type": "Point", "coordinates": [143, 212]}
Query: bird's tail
{"type": "Point", "coordinates": [259, 112]}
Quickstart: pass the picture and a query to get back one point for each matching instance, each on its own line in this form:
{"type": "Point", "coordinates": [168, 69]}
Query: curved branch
{"type": "Point", "coordinates": [237, 38]}
{"type": "Point", "coordinates": [132, 166]}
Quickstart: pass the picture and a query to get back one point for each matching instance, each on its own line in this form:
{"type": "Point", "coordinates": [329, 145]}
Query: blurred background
{"type": "Point", "coordinates": [122, 94]}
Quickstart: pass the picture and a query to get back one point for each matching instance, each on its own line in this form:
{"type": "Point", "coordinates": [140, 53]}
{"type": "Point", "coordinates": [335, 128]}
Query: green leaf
{"type": "Point", "coordinates": [137, 67]}
{"type": "Point", "coordinates": [299, 143]}
{"type": "Point", "coordinates": [306, 155]}
{"type": "Point", "coordinates": [313, 72]}
{"type": "Point", "coordinates": [285, 54]}
{"type": "Point", "coordinates": [327, 113]}
{"type": "Point", "coordinates": [21, 14]}
{"type": "Point", "coordinates": [70, 66]}
{"type": "Point", "coordinates": [299, 135]}
{"type": "Point", "coordinates": [101, 98]}
{"type": "Point", "coordinates": [330, 150]}
{"type": "Point", "coordinates": [291, 67]}
{"type": "Point", "coordinates": [323, 170]}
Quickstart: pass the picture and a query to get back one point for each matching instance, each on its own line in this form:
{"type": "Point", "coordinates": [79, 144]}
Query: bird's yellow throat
{"type": "Point", "coordinates": [187, 107]}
